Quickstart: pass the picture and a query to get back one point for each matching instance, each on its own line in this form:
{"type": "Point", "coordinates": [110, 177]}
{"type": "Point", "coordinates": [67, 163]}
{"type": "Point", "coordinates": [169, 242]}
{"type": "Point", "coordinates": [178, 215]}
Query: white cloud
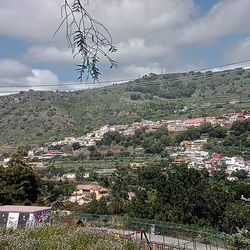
{"type": "Point", "coordinates": [239, 51]}
{"type": "Point", "coordinates": [42, 77]}
{"type": "Point", "coordinates": [48, 54]}
{"type": "Point", "coordinates": [150, 35]}
{"type": "Point", "coordinates": [137, 51]}
{"type": "Point", "coordinates": [32, 20]}
{"type": "Point", "coordinates": [226, 17]}
{"type": "Point", "coordinates": [17, 76]}
{"type": "Point", "coordinates": [140, 70]}
{"type": "Point", "coordinates": [14, 69]}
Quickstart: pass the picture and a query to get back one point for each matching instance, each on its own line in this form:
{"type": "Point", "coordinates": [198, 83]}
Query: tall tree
{"type": "Point", "coordinates": [18, 182]}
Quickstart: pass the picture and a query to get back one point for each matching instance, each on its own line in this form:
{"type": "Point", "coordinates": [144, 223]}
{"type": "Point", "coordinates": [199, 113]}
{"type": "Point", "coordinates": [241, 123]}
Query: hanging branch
{"type": "Point", "coordinates": [87, 38]}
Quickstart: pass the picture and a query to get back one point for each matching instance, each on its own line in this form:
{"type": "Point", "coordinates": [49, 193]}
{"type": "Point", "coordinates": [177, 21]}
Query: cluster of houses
{"type": "Point", "coordinates": [85, 193]}
{"type": "Point", "coordinates": [43, 153]}
{"type": "Point", "coordinates": [92, 138]}
{"type": "Point", "coordinates": [191, 153]}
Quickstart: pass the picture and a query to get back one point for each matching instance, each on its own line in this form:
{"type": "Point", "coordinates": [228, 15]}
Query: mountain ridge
{"type": "Point", "coordinates": [36, 116]}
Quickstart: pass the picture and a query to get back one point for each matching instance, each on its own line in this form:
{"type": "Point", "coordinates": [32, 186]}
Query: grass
{"type": "Point", "coordinates": [59, 237]}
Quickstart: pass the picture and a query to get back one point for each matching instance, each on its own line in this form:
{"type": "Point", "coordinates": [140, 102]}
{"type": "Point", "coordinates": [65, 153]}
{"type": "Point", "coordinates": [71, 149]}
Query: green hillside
{"type": "Point", "coordinates": [34, 116]}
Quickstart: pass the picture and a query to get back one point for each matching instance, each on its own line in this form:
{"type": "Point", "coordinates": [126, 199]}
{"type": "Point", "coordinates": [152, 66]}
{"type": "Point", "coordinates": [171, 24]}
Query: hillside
{"type": "Point", "coordinates": [35, 116]}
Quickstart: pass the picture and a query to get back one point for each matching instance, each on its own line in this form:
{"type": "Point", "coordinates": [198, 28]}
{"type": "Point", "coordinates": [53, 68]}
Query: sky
{"type": "Point", "coordinates": [157, 36]}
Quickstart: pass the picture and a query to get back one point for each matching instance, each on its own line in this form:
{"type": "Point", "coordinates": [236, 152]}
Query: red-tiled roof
{"type": "Point", "coordinates": [22, 209]}
{"type": "Point", "coordinates": [216, 155]}
{"type": "Point", "coordinates": [195, 120]}
{"type": "Point", "coordinates": [54, 152]}
{"type": "Point", "coordinates": [87, 187]}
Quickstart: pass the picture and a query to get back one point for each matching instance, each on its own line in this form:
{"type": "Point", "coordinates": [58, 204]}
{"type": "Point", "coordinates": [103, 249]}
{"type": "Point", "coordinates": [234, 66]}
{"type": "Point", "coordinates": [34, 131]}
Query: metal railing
{"type": "Point", "coordinates": [160, 234]}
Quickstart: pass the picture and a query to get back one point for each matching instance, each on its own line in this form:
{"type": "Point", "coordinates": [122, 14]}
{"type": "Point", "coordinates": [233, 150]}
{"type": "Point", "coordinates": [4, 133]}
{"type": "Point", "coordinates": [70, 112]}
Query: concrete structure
{"type": "Point", "coordinates": [23, 216]}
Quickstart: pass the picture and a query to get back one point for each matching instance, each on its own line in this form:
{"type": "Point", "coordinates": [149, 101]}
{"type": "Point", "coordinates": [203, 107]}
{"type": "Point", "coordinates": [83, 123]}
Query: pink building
{"type": "Point", "coordinates": [194, 122]}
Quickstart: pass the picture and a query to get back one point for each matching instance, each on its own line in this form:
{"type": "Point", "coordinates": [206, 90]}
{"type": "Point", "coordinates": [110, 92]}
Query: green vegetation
{"type": "Point", "coordinates": [161, 190]}
{"type": "Point", "coordinates": [174, 194]}
{"type": "Point", "coordinates": [231, 142]}
{"type": "Point", "coordinates": [60, 237]}
{"type": "Point", "coordinates": [18, 182]}
{"type": "Point", "coordinates": [40, 116]}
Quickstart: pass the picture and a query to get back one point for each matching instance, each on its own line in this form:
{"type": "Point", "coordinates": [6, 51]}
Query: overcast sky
{"type": "Point", "coordinates": [151, 36]}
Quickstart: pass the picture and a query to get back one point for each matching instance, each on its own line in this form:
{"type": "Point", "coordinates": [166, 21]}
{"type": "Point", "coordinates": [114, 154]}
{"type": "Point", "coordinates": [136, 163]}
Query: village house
{"type": "Point", "coordinates": [196, 145]}
{"type": "Point", "coordinates": [209, 164]}
{"type": "Point", "coordinates": [241, 117]}
{"type": "Point", "coordinates": [226, 123]}
{"type": "Point", "coordinates": [85, 193]}
{"type": "Point", "coordinates": [196, 122]}
{"type": "Point", "coordinates": [186, 145]}
{"type": "Point", "coordinates": [247, 115]}
{"type": "Point", "coordinates": [131, 195]}
{"type": "Point", "coordinates": [148, 124]}
{"type": "Point", "coordinates": [69, 177]}
{"type": "Point", "coordinates": [120, 127]}
{"type": "Point", "coordinates": [106, 129]}
{"type": "Point", "coordinates": [137, 125]}
{"type": "Point", "coordinates": [69, 140]}
{"type": "Point", "coordinates": [211, 120]}
{"type": "Point", "coordinates": [175, 125]}
{"type": "Point", "coordinates": [85, 189]}
{"type": "Point", "coordinates": [136, 165]}
{"type": "Point", "coordinates": [5, 162]}
{"type": "Point", "coordinates": [232, 178]}
{"type": "Point", "coordinates": [30, 154]}
{"type": "Point", "coordinates": [129, 132]}
{"type": "Point", "coordinates": [179, 161]}
{"type": "Point", "coordinates": [216, 155]}
{"type": "Point", "coordinates": [54, 152]}
{"type": "Point", "coordinates": [235, 163]}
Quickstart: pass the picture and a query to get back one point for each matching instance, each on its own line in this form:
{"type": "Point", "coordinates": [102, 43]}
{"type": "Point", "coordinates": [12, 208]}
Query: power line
{"type": "Point", "coordinates": [224, 65]}
{"type": "Point", "coordinates": [142, 81]}
{"type": "Point", "coordinates": [65, 84]}
{"type": "Point", "coordinates": [122, 80]}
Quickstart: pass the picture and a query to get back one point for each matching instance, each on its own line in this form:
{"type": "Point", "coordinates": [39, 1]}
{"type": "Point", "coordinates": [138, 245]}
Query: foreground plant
{"type": "Point", "coordinates": [60, 237]}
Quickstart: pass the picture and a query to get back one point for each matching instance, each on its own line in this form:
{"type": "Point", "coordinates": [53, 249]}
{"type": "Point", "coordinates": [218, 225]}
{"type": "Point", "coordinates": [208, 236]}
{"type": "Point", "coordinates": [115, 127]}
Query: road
{"type": "Point", "coordinates": [160, 239]}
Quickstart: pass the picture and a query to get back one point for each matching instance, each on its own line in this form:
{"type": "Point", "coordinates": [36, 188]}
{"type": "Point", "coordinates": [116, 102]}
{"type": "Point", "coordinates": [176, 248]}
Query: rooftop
{"type": "Point", "coordinates": [87, 187]}
{"type": "Point", "coordinates": [23, 209]}
{"type": "Point", "coordinates": [194, 120]}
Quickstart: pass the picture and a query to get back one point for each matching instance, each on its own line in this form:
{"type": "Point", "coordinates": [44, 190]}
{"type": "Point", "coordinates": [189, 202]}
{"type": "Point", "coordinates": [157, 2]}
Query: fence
{"type": "Point", "coordinates": [161, 235]}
